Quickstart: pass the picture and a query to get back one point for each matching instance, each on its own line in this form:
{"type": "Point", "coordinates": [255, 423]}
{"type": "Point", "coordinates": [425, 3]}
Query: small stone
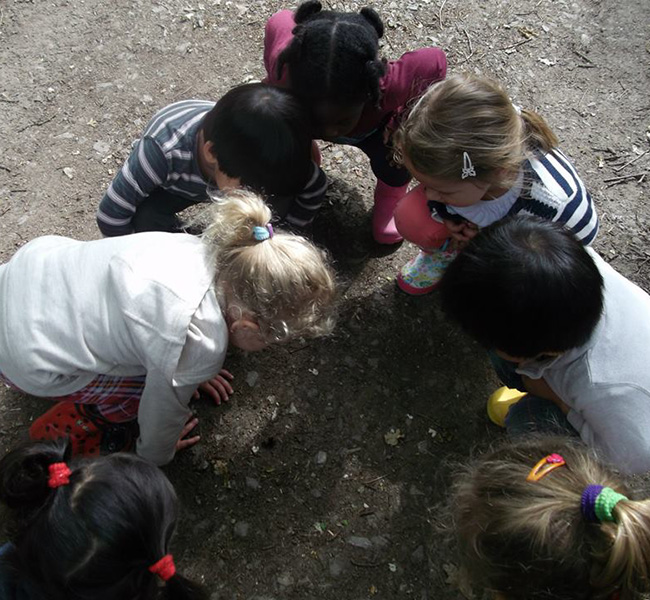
{"type": "Point", "coordinates": [337, 566]}
{"type": "Point", "coordinates": [285, 579]}
{"type": "Point", "coordinates": [101, 147]}
{"type": "Point", "coordinates": [418, 554]}
{"type": "Point", "coordinates": [414, 491]}
{"type": "Point", "coordinates": [241, 529]}
{"type": "Point", "coordinates": [252, 377]}
{"type": "Point", "coordinates": [321, 458]}
{"type": "Point", "coordinates": [68, 172]}
{"type": "Point", "coordinates": [252, 483]}
{"type": "Point", "coordinates": [359, 542]}
{"type": "Point", "coordinates": [380, 540]}
{"type": "Point", "coordinates": [293, 410]}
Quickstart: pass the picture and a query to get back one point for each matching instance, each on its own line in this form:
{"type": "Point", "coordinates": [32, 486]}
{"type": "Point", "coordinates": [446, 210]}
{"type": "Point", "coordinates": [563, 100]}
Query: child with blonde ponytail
{"type": "Point", "coordinates": [133, 326]}
{"type": "Point", "coordinates": [85, 529]}
{"type": "Point", "coordinates": [478, 159]}
{"type": "Point", "coordinates": [543, 518]}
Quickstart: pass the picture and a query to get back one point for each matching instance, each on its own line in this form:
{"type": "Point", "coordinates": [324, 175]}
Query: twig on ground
{"type": "Point", "coordinates": [521, 43]}
{"type": "Point", "coordinates": [442, 26]}
{"type": "Point", "coordinates": [471, 50]}
{"type": "Point", "coordinates": [366, 565]}
{"type": "Point", "coordinates": [375, 480]}
{"type": "Point", "coordinates": [627, 164]}
{"type": "Point", "coordinates": [5, 168]}
{"type": "Point", "coordinates": [622, 177]}
{"type": "Point", "coordinates": [37, 123]}
{"type": "Point", "coordinates": [616, 180]}
{"type": "Point", "coordinates": [582, 56]}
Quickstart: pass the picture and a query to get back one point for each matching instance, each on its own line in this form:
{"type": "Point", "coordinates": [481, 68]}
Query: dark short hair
{"type": "Point", "coordinates": [262, 135]}
{"type": "Point", "coordinates": [96, 536]}
{"type": "Point", "coordinates": [525, 286]}
{"type": "Point", "coordinates": [333, 55]}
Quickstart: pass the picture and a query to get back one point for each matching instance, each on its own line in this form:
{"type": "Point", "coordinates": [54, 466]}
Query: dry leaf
{"type": "Point", "coordinates": [393, 437]}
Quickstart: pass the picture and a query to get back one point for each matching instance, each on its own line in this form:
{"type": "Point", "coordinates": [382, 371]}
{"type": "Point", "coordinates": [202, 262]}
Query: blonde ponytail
{"type": "Point", "coordinates": [625, 554]}
{"type": "Point", "coordinates": [537, 131]}
{"type": "Point", "coordinates": [530, 539]}
{"type": "Point", "coordinates": [283, 281]}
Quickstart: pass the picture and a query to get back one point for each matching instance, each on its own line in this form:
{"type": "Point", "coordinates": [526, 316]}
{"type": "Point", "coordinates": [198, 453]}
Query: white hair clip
{"type": "Point", "coordinates": [468, 167]}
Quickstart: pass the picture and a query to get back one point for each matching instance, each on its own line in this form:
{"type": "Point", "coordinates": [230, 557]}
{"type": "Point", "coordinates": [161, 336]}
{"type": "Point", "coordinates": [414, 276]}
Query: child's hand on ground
{"type": "Point", "coordinates": [218, 388]}
{"type": "Point", "coordinates": [461, 232]}
{"type": "Point", "coordinates": [184, 442]}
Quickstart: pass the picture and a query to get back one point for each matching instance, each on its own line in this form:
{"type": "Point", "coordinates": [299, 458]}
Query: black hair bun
{"type": "Point", "coordinates": [370, 15]}
{"type": "Point", "coordinates": [307, 10]}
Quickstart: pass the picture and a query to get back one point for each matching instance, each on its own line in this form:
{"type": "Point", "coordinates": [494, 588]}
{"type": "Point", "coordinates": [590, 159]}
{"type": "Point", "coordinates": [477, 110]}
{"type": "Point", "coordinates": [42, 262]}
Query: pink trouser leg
{"type": "Point", "coordinates": [414, 223]}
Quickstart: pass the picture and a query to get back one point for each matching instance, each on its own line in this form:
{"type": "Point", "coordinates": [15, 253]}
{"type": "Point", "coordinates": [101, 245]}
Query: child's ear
{"type": "Point", "coordinates": [244, 325]}
{"type": "Point", "coordinates": [208, 156]}
{"type": "Point", "coordinates": [245, 335]}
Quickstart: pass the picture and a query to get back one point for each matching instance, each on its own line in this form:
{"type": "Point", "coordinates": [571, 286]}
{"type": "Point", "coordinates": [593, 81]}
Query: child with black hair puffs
{"type": "Point", "coordinates": [255, 136]}
{"type": "Point", "coordinates": [565, 329]}
{"type": "Point", "coordinates": [83, 529]}
{"type": "Point", "coordinates": [331, 60]}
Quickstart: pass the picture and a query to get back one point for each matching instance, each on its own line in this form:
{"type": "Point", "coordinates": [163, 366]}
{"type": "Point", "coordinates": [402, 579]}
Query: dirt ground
{"type": "Point", "coordinates": [294, 491]}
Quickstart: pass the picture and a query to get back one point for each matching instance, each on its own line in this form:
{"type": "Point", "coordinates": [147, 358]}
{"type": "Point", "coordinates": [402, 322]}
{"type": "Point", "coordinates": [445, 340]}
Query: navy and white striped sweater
{"type": "Point", "coordinates": [165, 157]}
{"type": "Point", "coordinates": [551, 190]}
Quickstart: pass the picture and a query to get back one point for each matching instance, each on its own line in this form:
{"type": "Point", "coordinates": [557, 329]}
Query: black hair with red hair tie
{"type": "Point", "coordinates": [164, 568]}
{"type": "Point", "coordinates": [59, 475]}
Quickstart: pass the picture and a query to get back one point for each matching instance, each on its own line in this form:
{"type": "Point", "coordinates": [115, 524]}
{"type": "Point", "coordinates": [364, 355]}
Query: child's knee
{"type": "Point", "coordinates": [414, 223]}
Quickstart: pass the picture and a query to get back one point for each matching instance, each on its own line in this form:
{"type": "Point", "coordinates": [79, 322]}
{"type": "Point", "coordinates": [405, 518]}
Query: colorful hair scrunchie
{"type": "Point", "coordinates": [164, 568]}
{"type": "Point", "coordinates": [263, 233]}
{"type": "Point", "coordinates": [597, 503]}
{"type": "Point", "coordinates": [59, 475]}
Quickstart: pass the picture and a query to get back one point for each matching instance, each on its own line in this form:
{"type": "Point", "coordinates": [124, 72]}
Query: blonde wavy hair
{"type": "Point", "coordinates": [285, 283]}
{"type": "Point", "coordinates": [529, 540]}
{"type": "Point", "coordinates": [466, 113]}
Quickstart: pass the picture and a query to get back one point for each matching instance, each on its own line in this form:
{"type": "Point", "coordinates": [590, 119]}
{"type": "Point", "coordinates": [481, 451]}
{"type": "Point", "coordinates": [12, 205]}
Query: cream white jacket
{"type": "Point", "coordinates": [123, 306]}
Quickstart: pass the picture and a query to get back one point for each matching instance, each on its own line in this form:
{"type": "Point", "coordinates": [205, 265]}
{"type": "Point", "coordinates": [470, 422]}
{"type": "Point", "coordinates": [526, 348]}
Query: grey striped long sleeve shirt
{"type": "Point", "coordinates": [165, 157]}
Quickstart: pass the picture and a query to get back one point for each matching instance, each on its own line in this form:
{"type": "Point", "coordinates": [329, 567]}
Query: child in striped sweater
{"type": "Point", "coordinates": [478, 159]}
{"type": "Point", "coordinates": [255, 136]}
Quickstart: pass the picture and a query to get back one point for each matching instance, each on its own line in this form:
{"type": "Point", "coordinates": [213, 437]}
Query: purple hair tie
{"type": "Point", "coordinates": [588, 502]}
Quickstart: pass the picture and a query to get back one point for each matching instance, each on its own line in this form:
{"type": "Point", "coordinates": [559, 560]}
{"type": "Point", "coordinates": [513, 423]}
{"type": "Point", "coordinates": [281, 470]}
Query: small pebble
{"type": "Point", "coordinates": [241, 529]}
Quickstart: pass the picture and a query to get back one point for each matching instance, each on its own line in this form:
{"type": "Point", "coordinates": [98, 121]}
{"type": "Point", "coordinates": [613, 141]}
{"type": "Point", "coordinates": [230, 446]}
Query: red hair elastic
{"type": "Point", "coordinates": [59, 475]}
{"type": "Point", "coordinates": [164, 568]}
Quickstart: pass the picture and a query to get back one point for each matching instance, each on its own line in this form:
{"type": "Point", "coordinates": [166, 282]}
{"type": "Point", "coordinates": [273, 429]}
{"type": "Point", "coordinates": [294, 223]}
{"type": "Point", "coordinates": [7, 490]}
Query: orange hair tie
{"type": "Point", "coordinates": [545, 466]}
{"type": "Point", "coordinates": [59, 475]}
{"type": "Point", "coordinates": [164, 568]}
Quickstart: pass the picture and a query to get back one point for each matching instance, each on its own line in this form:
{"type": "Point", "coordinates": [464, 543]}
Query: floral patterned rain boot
{"type": "Point", "coordinates": [422, 274]}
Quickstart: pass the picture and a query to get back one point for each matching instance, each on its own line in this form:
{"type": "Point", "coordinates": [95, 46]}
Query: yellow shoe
{"type": "Point", "coordinates": [499, 404]}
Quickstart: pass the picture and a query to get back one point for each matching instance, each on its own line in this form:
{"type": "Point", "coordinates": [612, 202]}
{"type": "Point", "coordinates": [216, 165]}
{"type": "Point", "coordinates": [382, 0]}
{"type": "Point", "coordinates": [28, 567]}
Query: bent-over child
{"type": "Point", "coordinates": [131, 326]}
{"type": "Point", "coordinates": [564, 328]}
{"type": "Point", "coordinates": [255, 136]}
{"type": "Point", "coordinates": [88, 528]}
{"type": "Point", "coordinates": [546, 519]}
{"type": "Point", "coordinates": [331, 60]}
{"type": "Point", "coordinates": [478, 159]}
